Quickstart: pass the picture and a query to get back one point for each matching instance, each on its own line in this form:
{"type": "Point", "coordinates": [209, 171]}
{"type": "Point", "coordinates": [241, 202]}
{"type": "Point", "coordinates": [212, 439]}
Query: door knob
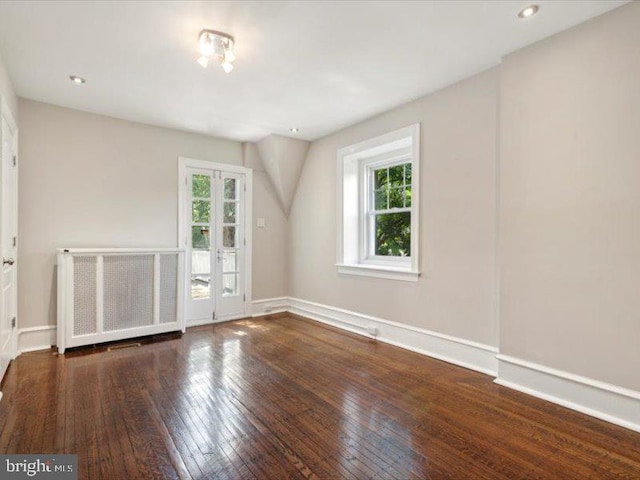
{"type": "Point", "coordinates": [10, 261]}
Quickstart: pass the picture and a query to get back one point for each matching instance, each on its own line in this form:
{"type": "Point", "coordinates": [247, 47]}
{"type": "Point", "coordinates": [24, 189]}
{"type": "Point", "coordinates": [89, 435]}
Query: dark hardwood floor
{"type": "Point", "coordinates": [287, 398]}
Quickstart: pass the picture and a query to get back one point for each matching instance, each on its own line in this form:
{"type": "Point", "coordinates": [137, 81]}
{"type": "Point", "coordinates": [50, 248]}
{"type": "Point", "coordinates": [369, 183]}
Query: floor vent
{"type": "Point", "coordinates": [124, 345]}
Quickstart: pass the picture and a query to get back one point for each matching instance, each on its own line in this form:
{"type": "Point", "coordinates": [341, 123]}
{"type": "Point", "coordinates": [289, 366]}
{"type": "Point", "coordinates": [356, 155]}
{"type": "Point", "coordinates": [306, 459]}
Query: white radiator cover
{"type": "Point", "coordinates": [113, 294]}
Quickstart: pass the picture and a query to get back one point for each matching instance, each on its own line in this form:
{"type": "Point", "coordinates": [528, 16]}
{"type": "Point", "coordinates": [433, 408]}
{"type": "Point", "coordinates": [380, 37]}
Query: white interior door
{"type": "Point", "coordinates": [8, 247]}
{"type": "Point", "coordinates": [213, 222]}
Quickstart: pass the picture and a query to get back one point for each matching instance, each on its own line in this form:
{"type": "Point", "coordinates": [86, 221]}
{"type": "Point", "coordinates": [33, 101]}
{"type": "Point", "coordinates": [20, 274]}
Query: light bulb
{"type": "Point", "coordinates": [229, 56]}
{"type": "Point", "coordinates": [203, 61]}
{"type": "Point", "coordinates": [206, 44]}
{"type": "Point", "coordinates": [227, 66]}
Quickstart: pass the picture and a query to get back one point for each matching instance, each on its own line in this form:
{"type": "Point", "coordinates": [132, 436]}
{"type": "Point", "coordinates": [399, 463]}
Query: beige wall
{"type": "Point", "coordinates": [270, 243]}
{"type": "Point", "coordinates": [92, 181]}
{"type": "Point", "coordinates": [570, 200]}
{"type": "Point", "coordinates": [456, 293]}
{"type": "Point", "coordinates": [6, 91]}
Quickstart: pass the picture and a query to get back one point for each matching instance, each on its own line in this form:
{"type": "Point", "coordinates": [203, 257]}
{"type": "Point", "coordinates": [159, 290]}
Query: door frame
{"type": "Point", "coordinates": [183, 214]}
{"type": "Point", "coordinates": [5, 113]}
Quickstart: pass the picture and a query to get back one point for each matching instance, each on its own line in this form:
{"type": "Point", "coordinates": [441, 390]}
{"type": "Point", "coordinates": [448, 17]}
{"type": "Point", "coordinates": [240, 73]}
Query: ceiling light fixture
{"type": "Point", "coordinates": [212, 44]}
{"type": "Point", "coordinates": [529, 11]}
{"type": "Point", "coordinates": [293, 130]}
{"type": "Point", "coordinates": [77, 79]}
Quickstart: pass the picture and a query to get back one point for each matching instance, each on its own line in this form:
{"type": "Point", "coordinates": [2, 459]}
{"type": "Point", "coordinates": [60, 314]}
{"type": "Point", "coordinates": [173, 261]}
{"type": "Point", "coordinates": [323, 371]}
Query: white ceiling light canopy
{"type": "Point", "coordinates": [219, 45]}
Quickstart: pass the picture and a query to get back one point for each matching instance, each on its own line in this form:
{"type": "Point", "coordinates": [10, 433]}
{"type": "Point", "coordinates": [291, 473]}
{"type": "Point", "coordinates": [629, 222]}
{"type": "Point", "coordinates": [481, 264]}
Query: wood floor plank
{"type": "Point", "coordinates": [288, 398]}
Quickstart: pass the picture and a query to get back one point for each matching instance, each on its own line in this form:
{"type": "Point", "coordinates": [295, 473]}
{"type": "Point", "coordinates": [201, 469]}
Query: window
{"type": "Point", "coordinates": [378, 202]}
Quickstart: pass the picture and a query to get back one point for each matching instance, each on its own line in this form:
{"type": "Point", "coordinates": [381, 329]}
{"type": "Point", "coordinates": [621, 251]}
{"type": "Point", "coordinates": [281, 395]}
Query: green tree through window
{"type": "Point", "coordinates": [392, 210]}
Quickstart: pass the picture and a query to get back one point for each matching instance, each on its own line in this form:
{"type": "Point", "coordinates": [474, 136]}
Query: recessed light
{"type": "Point", "coordinates": [293, 130]}
{"type": "Point", "coordinates": [529, 11]}
{"type": "Point", "coordinates": [77, 79]}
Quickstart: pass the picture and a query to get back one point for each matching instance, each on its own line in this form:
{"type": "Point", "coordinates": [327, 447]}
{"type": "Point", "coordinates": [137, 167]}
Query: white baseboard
{"type": "Point", "coordinates": [464, 353]}
{"type": "Point", "coordinates": [36, 338]}
{"type": "Point", "coordinates": [607, 402]}
{"type": "Point", "coordinates": [268, 306]}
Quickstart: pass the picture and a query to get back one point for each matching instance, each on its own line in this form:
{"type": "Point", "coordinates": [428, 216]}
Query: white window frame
{"type": "Point", "coordinates": [355, 163]}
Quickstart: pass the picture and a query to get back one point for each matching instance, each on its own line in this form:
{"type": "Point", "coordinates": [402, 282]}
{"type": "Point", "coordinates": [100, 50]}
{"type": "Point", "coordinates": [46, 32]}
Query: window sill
{"type": "Point", "coordinates": [379, 271]}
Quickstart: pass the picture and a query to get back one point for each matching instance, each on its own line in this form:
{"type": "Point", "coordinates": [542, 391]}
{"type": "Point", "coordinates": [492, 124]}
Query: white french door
{"type": "Point", "coordinates": [8, 242]}
{"type": "Point", "coordinates": [214, 233]}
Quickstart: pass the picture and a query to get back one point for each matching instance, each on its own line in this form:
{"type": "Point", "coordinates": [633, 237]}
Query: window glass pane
{"type": "Point", "coordinates": [201, 186]}
{"type": "Point", "coordinates": [380, 199]}
{"type": "Point", "coordinates": [229, 188]}
{"type": "Point", "coordinates": [396, 176]}
{"type": "Point", "coordinates": [229, 285]}
{"type": "Point", "coordinates": [200, 210]}
{"type": "Point", "coordinates": [407, 173]}
{"type": "Point", "coordinates": [200, 237]}
{"type": "Point", "coordinates": [229, 237]}
{"type": "Point", "coordinates": [381, 178]}
{"type": "Point", "coordinates": [229, 262]}
{"type": "Point", "coordinates": [393, 234]}
{"type": "Point", "coordinates": [229, 212]}
{"type": "Point", "coordinates": [396, 197]}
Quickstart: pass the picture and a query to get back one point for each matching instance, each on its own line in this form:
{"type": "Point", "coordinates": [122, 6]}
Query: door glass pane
{"type": "Point", "coordinates": [229, 262]}
{"type": "Point", "coordinates": [200, 211]}
{"type": "Point", "coordinates": [230, 188]}
{"type": "Point", "coordinates": [200, 286]}
{"type": "Point", "coordinates": [200, 237]}
{"type": "Point", "coordinates": [229, 212]}
{"type": "Point", "coordinates": [200, 274]}
{"type": "Point", "coordinates": [230, 284]}
{"type": "Point", "coordinates": [229, 237]}
{"type": "Point", "coordinates": [393, 234]}
{"type": "Point", "coordinates": [201, 186]}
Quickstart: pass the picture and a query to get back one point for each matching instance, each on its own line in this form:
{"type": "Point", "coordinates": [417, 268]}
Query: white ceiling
{"type": "Point", "coordinates": [315, 65]}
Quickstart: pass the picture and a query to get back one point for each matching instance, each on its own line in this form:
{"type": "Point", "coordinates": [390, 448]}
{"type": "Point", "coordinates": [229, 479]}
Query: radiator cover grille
{"type": "Point", "coordinates": [168, 288]}
{"type": "Point", "coordinates": [108, 295]}
{"type": "Point", "coordinates": [84, 295]}
{"type": "Point", "coordinates": [128, 291]}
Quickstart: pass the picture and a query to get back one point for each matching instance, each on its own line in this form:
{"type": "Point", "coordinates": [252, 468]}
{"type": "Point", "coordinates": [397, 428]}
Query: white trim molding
{"type": "Point", "coordinates": [32, 339]}
{"type": "Point", "coordinates": [268, 306]}
{"type": "Point", "coordinates": [614, 404]}
{"type": "Point", "coordinates": [378, 271]}
{"type": "Point", "coordinates": [459, 351]}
